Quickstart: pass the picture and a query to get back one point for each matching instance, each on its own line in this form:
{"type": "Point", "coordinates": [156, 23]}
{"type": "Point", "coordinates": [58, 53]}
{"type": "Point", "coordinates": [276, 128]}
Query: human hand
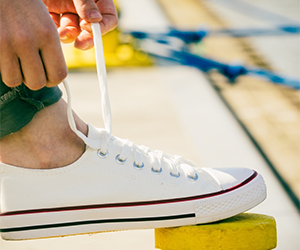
{"type": "Point", "coordinates": [30, 49]}
{"type": "Point", "coordinates": [73, 19]}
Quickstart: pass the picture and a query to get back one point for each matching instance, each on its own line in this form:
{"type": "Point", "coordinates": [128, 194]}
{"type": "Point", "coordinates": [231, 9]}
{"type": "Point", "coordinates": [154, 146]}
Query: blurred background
{"type": "Point", "coordinates": [216, 81]}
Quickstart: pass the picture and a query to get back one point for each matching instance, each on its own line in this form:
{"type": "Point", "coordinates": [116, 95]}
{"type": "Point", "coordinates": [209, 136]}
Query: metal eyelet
{"type": "Point", "coordinates": [138, 166]}
{"type": "Point", "coordinates": [120, 161]}
{"type": "Point", "coordinates": [156, 171]}
{"type": "Point", "coordinates": [193, 178]}
{"type": "Point", "coordinates": [101, 155]}
{"type": "Point", "coordinates": [174, 175]}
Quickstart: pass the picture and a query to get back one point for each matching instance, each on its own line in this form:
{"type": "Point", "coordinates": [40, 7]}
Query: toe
{"type": "Point", "coordinates": [230, 177]}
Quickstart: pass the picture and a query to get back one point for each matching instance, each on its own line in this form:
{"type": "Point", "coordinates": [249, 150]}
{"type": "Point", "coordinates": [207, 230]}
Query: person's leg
{"type": "Point", "coordinates": [34, 129]}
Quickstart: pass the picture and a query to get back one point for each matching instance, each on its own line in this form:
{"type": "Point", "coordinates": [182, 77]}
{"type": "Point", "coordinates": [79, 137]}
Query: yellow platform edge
{"type": "Point", "coordinates": [116, 53]}
{"type": "Point", "coordinates": [246, 231]}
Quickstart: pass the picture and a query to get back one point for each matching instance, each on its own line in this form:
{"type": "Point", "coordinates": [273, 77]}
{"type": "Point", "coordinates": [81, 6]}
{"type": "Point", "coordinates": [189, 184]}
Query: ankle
{"type": "Point", "coordinates": [46, 142]}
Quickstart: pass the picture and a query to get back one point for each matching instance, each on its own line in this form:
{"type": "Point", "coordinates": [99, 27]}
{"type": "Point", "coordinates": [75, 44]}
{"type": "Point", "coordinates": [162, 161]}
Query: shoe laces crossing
{"type": "Point", "coordinates": [176, 164]}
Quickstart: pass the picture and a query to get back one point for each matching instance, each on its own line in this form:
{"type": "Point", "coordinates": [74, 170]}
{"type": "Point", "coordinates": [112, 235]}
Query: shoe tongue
{"type": "Point", "coordinates": [94, 137]}
{"type": "Point", "coordinates": [93, 133]}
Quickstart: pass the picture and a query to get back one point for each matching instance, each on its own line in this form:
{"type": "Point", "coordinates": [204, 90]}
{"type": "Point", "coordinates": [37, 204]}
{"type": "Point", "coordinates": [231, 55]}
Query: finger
{"type": "Point", "coordinates": [88, 10]}
{"type": "Point", "coordinates": [109, 14]}
{"type": "Point", "coordinates": [108, 23]}
{"type": "Point", "coordinates": [84, 25]}
{"type": "Point", "coordinates": [54, 63]}
{"type": "Point", "coordinates": [84, 41]}
{"type": "Point", "coordinates": [33, 70]}
{"type": "Point", "coordinates": [69, 27]}
{"type": "Point", "coordinates": [52, 57]}
{"type": "Point", "coordinates": [56, 18]}
{"type": "Point", "coordinates": [10, 70]}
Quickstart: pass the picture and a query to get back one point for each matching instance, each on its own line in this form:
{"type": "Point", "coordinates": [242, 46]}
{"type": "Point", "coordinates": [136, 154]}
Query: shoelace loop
{"type": "Point", "coordinates": [175, 163]}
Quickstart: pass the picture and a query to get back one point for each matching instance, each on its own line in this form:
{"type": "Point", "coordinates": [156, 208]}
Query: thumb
{"type": "Point", "coordinates": [88, 10]}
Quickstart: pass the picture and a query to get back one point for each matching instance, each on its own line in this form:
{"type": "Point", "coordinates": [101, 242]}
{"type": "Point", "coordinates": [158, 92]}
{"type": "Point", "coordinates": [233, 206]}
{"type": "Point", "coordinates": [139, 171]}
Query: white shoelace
{"type": "Point", "coordinates": [175, 163]}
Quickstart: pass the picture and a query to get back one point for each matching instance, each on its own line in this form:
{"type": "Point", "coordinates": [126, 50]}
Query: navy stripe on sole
{"type": "Point", "coordinates": [78, 223]}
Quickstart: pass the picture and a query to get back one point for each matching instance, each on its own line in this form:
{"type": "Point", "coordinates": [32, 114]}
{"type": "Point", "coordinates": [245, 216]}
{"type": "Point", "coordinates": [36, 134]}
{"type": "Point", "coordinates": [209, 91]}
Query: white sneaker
{"type": "Point", "coordinates": [117, 185]}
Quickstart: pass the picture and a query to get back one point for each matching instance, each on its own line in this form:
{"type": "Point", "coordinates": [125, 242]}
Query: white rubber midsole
{"type": "Point", "coordinates": [179, 213]}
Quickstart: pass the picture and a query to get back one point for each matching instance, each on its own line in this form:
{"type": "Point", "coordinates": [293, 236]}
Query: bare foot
{"type": "Point", "coordinates": [46, 142]}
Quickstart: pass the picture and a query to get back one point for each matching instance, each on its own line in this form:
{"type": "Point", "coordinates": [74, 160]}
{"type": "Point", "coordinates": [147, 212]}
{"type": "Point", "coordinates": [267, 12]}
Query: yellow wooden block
{"type": "Point", "coordinates": [245, 231]}
{"type": "Point", "coordinates": [115, 53]}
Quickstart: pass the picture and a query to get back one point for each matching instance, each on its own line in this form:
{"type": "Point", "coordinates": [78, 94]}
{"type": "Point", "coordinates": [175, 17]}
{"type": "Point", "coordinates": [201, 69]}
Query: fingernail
{"type": "Point", "coordinates": [88, 45]}
{"type": "Point", "coordinates": [65, 37]}
{"type": "Point", "coordinates": [86, 26]}
{"type": "Point", "coordinates": [95, 14]}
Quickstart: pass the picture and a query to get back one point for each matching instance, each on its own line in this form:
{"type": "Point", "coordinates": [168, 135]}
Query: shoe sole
{"type": "Point", "coordinates": [45, 223]}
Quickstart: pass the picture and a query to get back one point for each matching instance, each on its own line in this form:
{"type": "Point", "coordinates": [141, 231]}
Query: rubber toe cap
{"type": "Point", "coordinates": [229, 177]}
